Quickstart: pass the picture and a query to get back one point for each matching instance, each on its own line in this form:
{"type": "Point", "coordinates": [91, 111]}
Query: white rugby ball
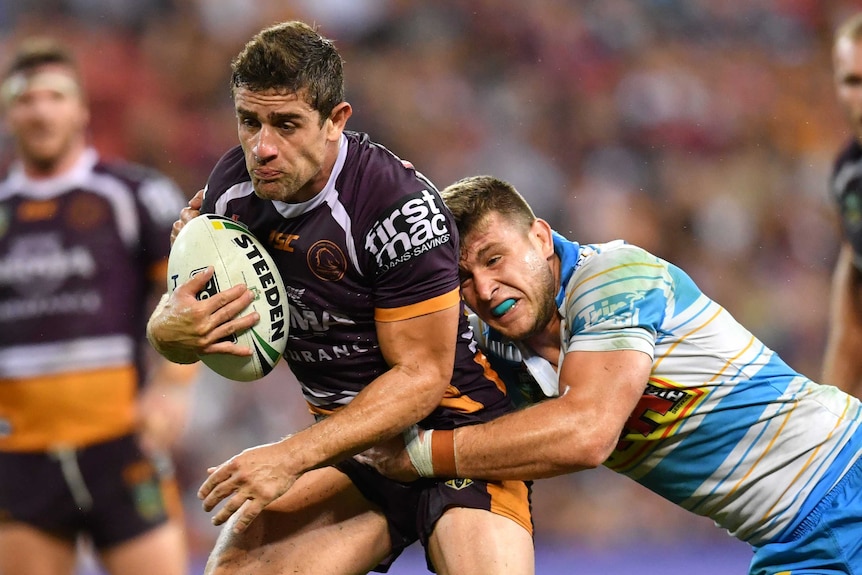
{"type": "Point", "coordinates": [237, 257]}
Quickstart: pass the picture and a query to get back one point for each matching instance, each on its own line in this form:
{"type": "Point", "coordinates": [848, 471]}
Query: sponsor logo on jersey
{"type": "Point", "coordinates": [37, 210]}
{"type": "Point", "coordinates": [39, 263]}
{"type": "Point", "coordinates": [326, 261]}
{"type": "Point", "coordinates": [662, 409]}
{"type": "Point", "coordinates": [410, 229]}
{"type": "Point", "coordinates": [282, 241]}
{"type": "Point", "coordinates": [305, 324]}
{"type": "Point", "coordinates": [619, 308]}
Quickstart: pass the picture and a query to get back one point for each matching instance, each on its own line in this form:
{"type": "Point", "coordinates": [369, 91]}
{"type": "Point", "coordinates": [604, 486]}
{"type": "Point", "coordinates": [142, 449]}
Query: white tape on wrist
{"type": "Point", "coordinates": [419, 450]}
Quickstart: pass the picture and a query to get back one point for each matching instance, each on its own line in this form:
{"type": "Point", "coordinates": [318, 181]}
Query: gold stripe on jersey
{"type": "Point", "coordinates": [511, 499]}
{"type": "Point", "coordinates": [800, 474]}
{"type": "Point", "coordinates": [158, 272]}
{"type": "Point", "coordinates": [421, 308]}
{"type": "Point", "coordinates": [73, 410]}
{"type": "Point", "coordinates": [488, 371]}
{"type": "Point", "coordinates": [453, 399]}
{"type": "Point", "coordinates": [315, 410]}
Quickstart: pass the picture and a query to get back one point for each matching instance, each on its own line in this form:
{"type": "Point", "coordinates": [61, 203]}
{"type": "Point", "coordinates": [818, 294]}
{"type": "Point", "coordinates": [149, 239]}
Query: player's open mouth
{"type": "Point", "coordinates": [503, 307]}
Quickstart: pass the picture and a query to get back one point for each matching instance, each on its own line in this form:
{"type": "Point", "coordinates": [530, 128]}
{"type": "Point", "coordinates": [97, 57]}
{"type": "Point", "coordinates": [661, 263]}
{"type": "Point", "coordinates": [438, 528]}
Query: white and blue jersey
{"type": "Point", "coordinates": [725, 428]}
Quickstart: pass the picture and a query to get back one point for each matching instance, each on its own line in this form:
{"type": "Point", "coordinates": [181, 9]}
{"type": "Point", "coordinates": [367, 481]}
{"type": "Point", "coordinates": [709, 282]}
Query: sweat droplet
{"type": "Point", "coordinates": [503, 307]}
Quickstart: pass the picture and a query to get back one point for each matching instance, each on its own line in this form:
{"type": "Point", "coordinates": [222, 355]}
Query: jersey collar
{"type": "Point", "coordinates": [568, 252]}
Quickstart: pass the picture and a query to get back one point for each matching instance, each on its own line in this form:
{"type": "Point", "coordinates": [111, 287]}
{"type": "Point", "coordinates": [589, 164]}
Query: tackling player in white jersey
{"type": "Point", "coordinates": [651, 378]}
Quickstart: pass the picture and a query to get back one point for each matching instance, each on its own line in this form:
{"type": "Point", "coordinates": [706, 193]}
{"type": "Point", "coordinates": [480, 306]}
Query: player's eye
{"type": "Point", "coordinates": [249, 122]}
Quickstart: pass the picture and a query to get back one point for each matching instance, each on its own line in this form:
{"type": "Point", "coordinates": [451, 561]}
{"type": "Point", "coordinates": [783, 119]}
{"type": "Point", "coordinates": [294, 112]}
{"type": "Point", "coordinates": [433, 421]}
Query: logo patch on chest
{"type": "Point", "coordinates": [326, 261]}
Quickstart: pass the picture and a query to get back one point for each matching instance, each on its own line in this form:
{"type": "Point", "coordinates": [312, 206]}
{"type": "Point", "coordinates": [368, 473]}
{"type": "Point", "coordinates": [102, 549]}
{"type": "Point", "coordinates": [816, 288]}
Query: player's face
{"type": "Point", "coordinates": [507, 278]}
{"type": "Point", "coordinates": [847, 64]}
{"type": "Point", "coordinates": [289, 153]}
{"type": "Point", "coordinates": [46, 117]}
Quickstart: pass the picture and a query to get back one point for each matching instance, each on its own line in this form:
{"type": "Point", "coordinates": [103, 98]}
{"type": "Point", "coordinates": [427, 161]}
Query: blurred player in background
{"type": "Point", "coordinates": [378, 337]}
{"type": "Point", "coordinates": [842, 364]}
{"type": "Point", "coordinates": [632, 367]}
{"type": "Point", "coordinates": [86, 416]}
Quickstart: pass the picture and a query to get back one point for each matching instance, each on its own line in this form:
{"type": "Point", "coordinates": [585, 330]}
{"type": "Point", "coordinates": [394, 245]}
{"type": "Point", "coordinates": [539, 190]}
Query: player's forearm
{"type": "Point", "coordinates": [541, 441]}
{"type": "Point", "coordinates": [393, 402]}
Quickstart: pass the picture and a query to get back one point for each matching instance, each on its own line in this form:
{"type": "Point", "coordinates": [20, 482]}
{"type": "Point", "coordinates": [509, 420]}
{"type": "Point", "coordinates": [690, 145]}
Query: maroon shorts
{"type": "Point", "coordinates": [110, 491]}
{"type": "Point", "coordinates": [412, 509]}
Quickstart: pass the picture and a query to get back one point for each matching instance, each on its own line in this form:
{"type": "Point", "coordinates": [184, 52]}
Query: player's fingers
{"type": "Point", "coordinates": [229, 508]}
{"type": "Point", "coordinates": [227, 347]}
{"type": "Point", "coordinates": [223, 328]}
{"type": "Point", "coordinates": [193, 285]}
{"type": "Point", "coordinates": [197, 200]}
{"type": "Point", "coordinates": [227, 304]}
{"type": "Point", "coordinates": [219, 493]}
{"type": "Point", "coordinates": [188, 213]}
{"type": "Point", "coordinates": [217, 476]}
{"type": "Point", "coordinates": [231, 505]}
{"type": "Point", "coordinates": [247, 513]}
{"type": "Point", "coordinates": [175, 230]}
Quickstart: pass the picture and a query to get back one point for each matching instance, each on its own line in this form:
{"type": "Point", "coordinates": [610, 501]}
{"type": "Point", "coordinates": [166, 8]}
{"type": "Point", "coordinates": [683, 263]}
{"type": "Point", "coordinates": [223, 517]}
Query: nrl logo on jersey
{"type": "Point", "coordinates": [414, 226]}
{"type": "Point", "coordinates": [458, 484]}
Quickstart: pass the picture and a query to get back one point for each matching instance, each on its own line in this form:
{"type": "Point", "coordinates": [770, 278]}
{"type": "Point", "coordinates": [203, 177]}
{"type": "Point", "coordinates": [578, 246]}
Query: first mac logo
{"type": "Point", "coordinates": [414, 226]}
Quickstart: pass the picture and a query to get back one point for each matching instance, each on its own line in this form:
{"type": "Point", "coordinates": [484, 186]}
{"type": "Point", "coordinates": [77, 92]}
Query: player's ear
{"type": "Point", "coordinates": [338, 118]}
{"type": "Point", "coordinates": [542, 234]}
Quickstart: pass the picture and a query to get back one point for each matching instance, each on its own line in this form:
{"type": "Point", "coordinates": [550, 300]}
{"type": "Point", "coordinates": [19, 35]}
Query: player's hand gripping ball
{"type": "Point", "coordinates": [237, 257]}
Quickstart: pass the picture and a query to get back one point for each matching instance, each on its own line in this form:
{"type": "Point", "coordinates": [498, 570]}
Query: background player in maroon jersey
{"type": "Point", "coordinates": [842, 363]}
{"type": "Point", "coordinates": [378, 337]}
{"type": "Point", "coordinates": [83, 253]}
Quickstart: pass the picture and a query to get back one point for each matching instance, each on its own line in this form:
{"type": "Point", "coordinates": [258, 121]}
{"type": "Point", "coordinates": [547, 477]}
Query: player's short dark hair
{"type": "Point", "coordinates": [37, 52]}
{"type": "Point", "coordinates": [473, 198]}
{"type": "Point", "coordinates": [292, 57]}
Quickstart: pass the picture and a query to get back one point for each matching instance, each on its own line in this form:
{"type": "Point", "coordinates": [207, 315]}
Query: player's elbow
{"type": "Point", "coordinates": [586, 452]}
{"type": "Point", "coordinates": [428, 388]}
{"type": "Point", "coordinates": [596, 454]}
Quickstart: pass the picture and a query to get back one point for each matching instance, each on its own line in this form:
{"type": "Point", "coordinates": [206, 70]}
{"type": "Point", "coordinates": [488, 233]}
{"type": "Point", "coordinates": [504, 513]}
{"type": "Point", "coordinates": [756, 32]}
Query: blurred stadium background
{"type": "Point", "coordinates": [703, 131]}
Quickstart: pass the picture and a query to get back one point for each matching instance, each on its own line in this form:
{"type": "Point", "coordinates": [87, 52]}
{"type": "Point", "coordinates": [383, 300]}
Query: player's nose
{"type": "Point", "coordinates": [265, 147]}
{"type": "Point", "coordinates": [485, 285]}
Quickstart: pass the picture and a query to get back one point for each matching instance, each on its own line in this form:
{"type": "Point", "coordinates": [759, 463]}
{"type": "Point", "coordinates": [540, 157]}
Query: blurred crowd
{"type": "Point", "coordinates": [703, 131]}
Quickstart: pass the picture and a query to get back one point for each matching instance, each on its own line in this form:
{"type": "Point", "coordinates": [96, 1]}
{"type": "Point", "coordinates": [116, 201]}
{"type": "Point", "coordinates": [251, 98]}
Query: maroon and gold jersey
{"type": "Point", "coordinates": [376, 244]}
{"type": "Point", "coordinates": [79, 255]}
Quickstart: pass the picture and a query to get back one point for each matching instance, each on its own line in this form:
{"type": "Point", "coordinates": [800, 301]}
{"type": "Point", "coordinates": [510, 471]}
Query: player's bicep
{"type": "Point", "coordinates": [423, 345]}
{"type": "Point", "coordinates": [606, 386]}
